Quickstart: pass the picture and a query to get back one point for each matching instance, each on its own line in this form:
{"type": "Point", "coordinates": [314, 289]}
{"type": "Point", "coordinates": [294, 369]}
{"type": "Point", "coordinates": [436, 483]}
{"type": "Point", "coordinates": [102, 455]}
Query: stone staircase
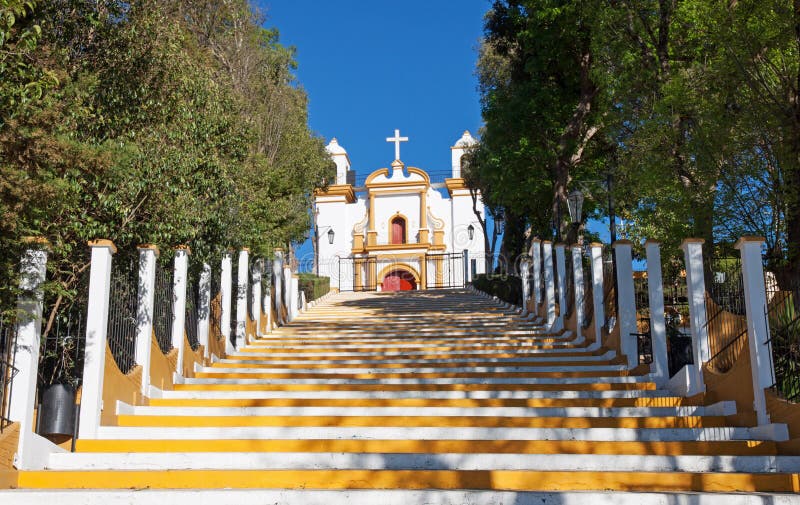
{"type": "Point", "coordinates": [418, 397]}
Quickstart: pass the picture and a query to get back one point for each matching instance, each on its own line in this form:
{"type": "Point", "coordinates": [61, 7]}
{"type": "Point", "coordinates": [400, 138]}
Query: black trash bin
{"type": "Point", "coordinates": [57, 413]}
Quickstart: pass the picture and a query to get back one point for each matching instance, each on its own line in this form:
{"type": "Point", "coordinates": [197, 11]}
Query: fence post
{"type": "Point", "coordinates": [33, 268]}
{"type": "Point", "coordinates": [526, 287]}
{"type": "Point", "coordinates": [204, 308]}
{"type": "Point", "coordinates": [755, 299]}
{"type": "Point", "coordinates": [658, 326]}
{"type": "Point", "coordinates": [550, 289]}
{"type": "Point", "coordinates": [689, 381]}
{"type": "Point", "coordinates": [277, 270]}
{"type": "Point", "coordinates": [241, 297]}
{"type": "Point", "coordinates": [294, 294]}
{"type": "Point", "coordinates": [577, 276]}
{"type": "Point", "coordinates": [561, 275]}
{"type": "Point", "coordinates": [626, 301]}
{"type": "Point", "coordinates": [226, 278]}
{"type": "Point", "coordinates": [96, 337]}
{"type": "Point", "coordinates": [288, 292]}
{"type": "Point", "coordinates": [536, 255]}
{"type": "Point", "coordinates": [598, 293]}
{"type": "Point", "coordinates": [255, 305]}
{"type": "Point", "coordinates": [179, 282]}
{"type": "Point", "coordinates": [145, 300]}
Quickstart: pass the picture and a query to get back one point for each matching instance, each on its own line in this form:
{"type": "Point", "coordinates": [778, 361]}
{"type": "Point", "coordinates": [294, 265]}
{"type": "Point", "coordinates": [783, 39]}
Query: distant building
{"type": "Point", "coordinates": [398, 232]}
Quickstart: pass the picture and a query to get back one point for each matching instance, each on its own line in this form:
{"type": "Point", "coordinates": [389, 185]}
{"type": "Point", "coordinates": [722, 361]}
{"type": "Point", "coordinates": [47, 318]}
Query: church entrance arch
{"type": "Point", "coordinates": [399, 280]}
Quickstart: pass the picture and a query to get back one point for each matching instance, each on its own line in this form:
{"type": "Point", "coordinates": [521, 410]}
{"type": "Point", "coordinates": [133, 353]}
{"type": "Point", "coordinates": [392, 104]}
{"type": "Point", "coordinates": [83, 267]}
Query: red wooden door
{"type": "Point", "coordinates": [398, 230]}
{"type": "Point", "coordinates": [399, 280]}
{"type": "Point", "coordinates": [391, 282]}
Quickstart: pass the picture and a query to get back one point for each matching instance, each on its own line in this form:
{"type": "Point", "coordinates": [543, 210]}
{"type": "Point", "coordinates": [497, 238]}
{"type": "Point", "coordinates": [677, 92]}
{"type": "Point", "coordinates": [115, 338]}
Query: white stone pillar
{"type": "Point", "coordinates": [289, 293]}
{"type": "Point", "coordinates": [226, 278]}
{"type": "Point", "coordinates": [148, 255]}
{"type": "Point", "coordinates": [561, 275]}
{"type": "Point", "coordinates": [597, 294]}
{"type": "Point", "coordinates": [33, 269]}
{"type": "Point", "coordinates": [277, 270]}
{"type": "Point", "coordinates": [626, 302]}
{"type": "Point", "coordinates": [659, 369]}
{"type": "Point", "coordinates": [755, 299]}
{"type": "Point", "coordinates": [294, 295]}
{"type": "Point", "coordinates": [549, 279]}
{"type": "Point", "coordinates": [536, 255]}
{"type": "Point", "coordinates": [255, 307]}
{"type": "Point", "coordinates": [204, 308]}
{"type": "Point", "coordinates": [577, 276]}
{"type": "Point", "coordinates": [179, 283]}
{"type": "Point", "coordinates": [526, 286]}
{"type": "Point", "coordinates": [692, 377]}
{"type": "Point", "coordinates": [241, 297]}
{"type": "Point", "coordinates": [96, 338]}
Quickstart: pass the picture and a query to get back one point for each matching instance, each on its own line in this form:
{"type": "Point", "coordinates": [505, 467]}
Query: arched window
{"type": "Point", "coordinates": [398, 230]}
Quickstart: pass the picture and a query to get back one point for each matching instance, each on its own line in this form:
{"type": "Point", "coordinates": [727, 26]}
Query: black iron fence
{"type": "Point", "coordinates": [163, 308]}
{"type": "Point", "coordinates": [445, 270]}
{"type": "Point", "coordinates": [726, 324]}
{"type": "Point", "coordinates": [569, 281]}
{"type": "Point", "coordinates": [641, 294]}
{"type": "Point", "coordinates": [783, 316]}
{"type": "Point", "coordinates": [8, 341]}
{"type": "Point", "coordinates": [214, 320]}
{"type": "Point", "coordinates": [609, 294]}
{"type": "Point", "coordinates": [122, 317]}
{"type": "Point", "coordinates": [192, 312]}
{"type": "Point", "coordinates": [644, 341]}
{"type": "Point", "coordinates": [235, 301]}
{"type": "Point", "coordinates": [588, 294]}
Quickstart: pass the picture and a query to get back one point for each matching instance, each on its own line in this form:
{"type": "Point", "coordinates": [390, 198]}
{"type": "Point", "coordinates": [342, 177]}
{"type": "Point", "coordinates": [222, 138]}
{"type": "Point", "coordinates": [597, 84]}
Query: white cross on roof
{"type": "Point", "coordinates": [397, 139]}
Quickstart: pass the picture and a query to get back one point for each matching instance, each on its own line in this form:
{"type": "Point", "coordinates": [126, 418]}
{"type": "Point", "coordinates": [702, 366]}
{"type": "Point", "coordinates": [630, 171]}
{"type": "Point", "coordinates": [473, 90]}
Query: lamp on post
{"type": "Point", "coordinates": [575, 206]}
{"type": "Point", "coordinates": [331, 235]}
{"type": "Point", "coordinates": [500, 222]}
{"type": "Point", "coordinates": [470, 231]}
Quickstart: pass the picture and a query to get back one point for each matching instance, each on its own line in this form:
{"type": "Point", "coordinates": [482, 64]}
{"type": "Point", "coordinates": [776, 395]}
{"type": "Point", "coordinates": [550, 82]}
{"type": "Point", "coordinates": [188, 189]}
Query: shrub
{"type": "Point", "coordinates": [314, 286]}
{"type": "Point", "coordinates": [506, 287]}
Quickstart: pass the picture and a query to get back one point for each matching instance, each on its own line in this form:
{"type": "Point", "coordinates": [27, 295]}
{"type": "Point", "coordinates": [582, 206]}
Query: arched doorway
{"type": "Point", "coordinates": [398, 230]}
{"type": "Point", "coordinates": [399, 280]}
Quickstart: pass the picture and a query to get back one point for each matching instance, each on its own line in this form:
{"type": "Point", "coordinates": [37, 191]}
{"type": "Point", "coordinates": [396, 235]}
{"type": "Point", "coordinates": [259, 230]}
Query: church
{"type": "Point", "coordinates": [399, 230]}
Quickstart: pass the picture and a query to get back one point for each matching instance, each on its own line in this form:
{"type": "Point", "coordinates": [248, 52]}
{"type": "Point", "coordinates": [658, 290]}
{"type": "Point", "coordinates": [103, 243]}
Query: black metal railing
{"type": "Point", "coordinates": [542, 290]}
{"type": "Point", "coordinates": [234, 301]}
{"type": "Point", "coordinates": [569, 281]}
{"type": "Point", "coordinates": [445, 270]}
{"type": "Point", "coordinates": [726, 324]}
{"type": "Point", "coordinates": [162, 310]}
{"type": "Point", "coordinates": [644, 341]}
{"type": "Point", "coordinates": [588, 293]}
{"type": "Point", "coordinates": [122, 317]}
{"type": "Point", "coordinates": [641, 294]}
{"type": "Point", "coordinates": [250, 297]}
{"type": "Point", "coordinates": [63, 343]}
{"type": "Point", "coordinates": [783, 316]}
{"type": "Point", "coordinates": [8, 341]}
{"type": "Point", "coordinates": [609, 295]}
{"type": "Point", "coordinates": [215, 317]}
{"type": "Point", "coordinates": [192, 312]}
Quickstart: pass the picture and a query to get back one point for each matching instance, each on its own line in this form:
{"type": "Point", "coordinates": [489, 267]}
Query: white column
{"type": "Point", "coordinates": [658, 327]}
{"type": "Point", "coordinates": [96, 338]}
{"type": "Point", "coordinates": [268, 310]}
{"type": "Point", "coordinates": [626, 301]}
{"type": "Point", "coordinates": [179, 282]}
{"type": "Point", "coordinates": [536, 255]}
{"type": "Point", "coordinates": [289, 293]}
{"type": "Point", "coordinates": [562, 286]}
{"type": "Point", "coordinates": [33, 268]}
{"type": "Point", "coordinates": [755, 299]}
{"type": "Point", "coordinates": [277, 269]}
{"type": "Point", "coordinates": [597, 294]}
{"type": "Point", "coordinates": [241, 297]}
{"type": "Point", "coordinates": [204, 308]}
{"type": "Point", "coordinates": [524, 276]}
{"type": "Point", "coordinates": [549, 287]}
{"type": "Point", "coordinates": [226, 278]}
{"type": "Point", "coordinates": [256, 288]}
{"type": "Point", "coordinates": [148, 254]}
{"type": "Point", "coordinates": [696, 289]}
{"type": "Point", "coordinates": [577, 276]}
{"type": "Point", "coordinates": [294, 293]}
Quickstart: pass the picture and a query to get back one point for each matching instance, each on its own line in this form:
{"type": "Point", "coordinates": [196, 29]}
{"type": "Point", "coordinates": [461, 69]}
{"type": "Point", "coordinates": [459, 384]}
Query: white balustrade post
{"type": "Point", "coordinates": [33, 268]}
{"type": "Point", "coordinates": [179, 283]}
{"type": "Point", "coordinates": [289, 293]}
{"type": "Point", "coordinates": [256, 290]}
{"type": "Point", "coordinates": [204, 308]}
{"type": "Point", "coordinates": [549, 279]}
{"type": "Point", "coordinates": [241, 297]}
{"type": "Point", "coordinates": [755, 300]}
{"type": "Point", "coordinates": [226, 278]}
{"type": "Point", "coordinates": [526, 286]}
{"type": "Point", "coordinates": [96, 338]}
{"type": "Point", "coordinates": [689, 381]}
{"type": "Point", "coordinates": [626, 302]}
{"type": "Point", "coordinates": [561, 276]}
{"type": "Point", "coordinates": [658, 327]}
{"type": "Point", "coordinates": [148, 255]}
{"type": "Point", "coordinates": [577, 276]}
{"type": "Point", "coordinates": [536, 255]}
{"type": "Point", "coordinates": [295, 295]}
{"type": "Point", "coordinates": [277, 270]}
{"type": "Point", "coordinates": [598, 308]}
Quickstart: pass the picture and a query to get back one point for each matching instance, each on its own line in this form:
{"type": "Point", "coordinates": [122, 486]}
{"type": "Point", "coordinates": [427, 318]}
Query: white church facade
{"type": "Point", "coordinates": [398, 231]}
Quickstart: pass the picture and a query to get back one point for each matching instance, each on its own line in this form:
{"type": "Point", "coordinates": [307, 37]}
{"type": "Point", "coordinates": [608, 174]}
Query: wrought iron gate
{"type": "Point", "coordinates": [444, 270]}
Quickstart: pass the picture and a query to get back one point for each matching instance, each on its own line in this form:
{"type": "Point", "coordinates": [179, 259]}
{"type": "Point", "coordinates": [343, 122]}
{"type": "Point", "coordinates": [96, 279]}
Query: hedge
{"type": "Point", "coordinates": [506, 287]}
{"type": "Point", "coordinates": [314, 286]}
